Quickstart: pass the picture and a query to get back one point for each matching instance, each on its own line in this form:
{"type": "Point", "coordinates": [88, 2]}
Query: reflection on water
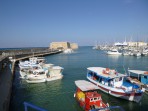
{"type": "Point", "coordinates": [113, 57]}
{"type": "Point", "coordinates": [58, 95]}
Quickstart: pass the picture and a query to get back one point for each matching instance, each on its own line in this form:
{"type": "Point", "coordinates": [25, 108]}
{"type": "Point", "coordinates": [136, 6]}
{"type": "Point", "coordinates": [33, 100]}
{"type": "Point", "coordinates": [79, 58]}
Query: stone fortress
{"type": "Point", "coordinates": [63, 45]}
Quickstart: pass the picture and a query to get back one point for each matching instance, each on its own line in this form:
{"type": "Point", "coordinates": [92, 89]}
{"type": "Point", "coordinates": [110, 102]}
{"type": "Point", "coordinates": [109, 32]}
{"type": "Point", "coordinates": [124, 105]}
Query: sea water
{"type": "Point", "coordinates": [59, 95]}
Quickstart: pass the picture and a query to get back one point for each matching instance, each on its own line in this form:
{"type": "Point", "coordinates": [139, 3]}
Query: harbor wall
{"type": "Point", "coordinates": [6, 78]}
{"type": "Point", "coordinates": [15, 52]}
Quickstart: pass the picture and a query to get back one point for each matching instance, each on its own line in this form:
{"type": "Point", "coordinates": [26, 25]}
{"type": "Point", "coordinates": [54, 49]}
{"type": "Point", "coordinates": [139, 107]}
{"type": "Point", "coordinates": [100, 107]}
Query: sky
{"type": "Point", "coordinates": [37, 23]}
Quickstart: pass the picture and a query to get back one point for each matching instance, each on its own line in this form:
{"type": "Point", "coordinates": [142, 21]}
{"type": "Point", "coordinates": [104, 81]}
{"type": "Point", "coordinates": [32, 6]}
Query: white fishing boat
{"type": "Point", "coordinates": [32, 62]}
{"type": "Point", "coordinates": [114, 83]}
{"type": "Point", "coordinates": [55, 73]}
{"type": "Point", "coordinates": [26, 65]}
{"type": "Point", "coordinates": [113, 52]}
{"type": "Point", "coordinates": [36, 71]}
{"type": "Point", "coordinates": [28, 70]}
{"type": "Point", "coordinates": [37, 76]}
{"type": "Point", "coordinates": [45, 74]}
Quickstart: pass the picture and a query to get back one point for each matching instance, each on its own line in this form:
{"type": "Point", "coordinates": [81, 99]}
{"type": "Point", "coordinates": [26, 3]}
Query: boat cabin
{"type": "Point", "coordinates": [144, 79]}
{"type": "Point", "coordinates": [36, 60]}
{"type": "Point", "coordinates": [142, 75]}
{"type": "Point", "coordinates": [94, 100]}
{"type": "Point", "coordinates": [106, 77]}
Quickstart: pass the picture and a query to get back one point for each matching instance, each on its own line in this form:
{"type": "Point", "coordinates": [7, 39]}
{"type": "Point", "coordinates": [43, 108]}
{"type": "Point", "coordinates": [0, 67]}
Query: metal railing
{"type": "Point", "coordinates": [26, 105]}
{"type": "Point", "coordinates": [108, 108]}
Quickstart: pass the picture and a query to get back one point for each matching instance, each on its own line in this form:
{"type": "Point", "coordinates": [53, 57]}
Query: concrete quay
{"type": "Point", "coordinates": [5, 87]}
{"type": "Point", "coordinates": [6, 75]}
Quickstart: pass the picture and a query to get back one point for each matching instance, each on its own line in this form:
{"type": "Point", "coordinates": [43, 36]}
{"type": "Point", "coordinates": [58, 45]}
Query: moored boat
{"type": "Point", "coordinates": [113, 52]}
{"type": "Point", "coordinates": [28, 70]}
{"type": "Point", "coordinates": [46, 74]}
{"type": "Point", "coordinates": [142, 78]}
{"type": "Point", "coordinates": [55, 73]}
{"type": "Point", "coordinates": [37, 76]}
{"type": "Point", "coordinates": [87, 98]}
{"type": "Point", "coordinates": [32, 62]}
{"type": "Point", "coordinates": [36, 71]}
{"type": "Point", "coordinates": [114, 83]}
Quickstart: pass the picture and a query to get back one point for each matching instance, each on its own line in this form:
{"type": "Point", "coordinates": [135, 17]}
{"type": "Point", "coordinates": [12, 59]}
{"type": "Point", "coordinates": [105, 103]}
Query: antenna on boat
{"type": "Point", "coordinates": [116, 69]}
{"type": "Point", "coordinates": [128, 72]}
{"type": "Point", "coordinates": [124, 70]}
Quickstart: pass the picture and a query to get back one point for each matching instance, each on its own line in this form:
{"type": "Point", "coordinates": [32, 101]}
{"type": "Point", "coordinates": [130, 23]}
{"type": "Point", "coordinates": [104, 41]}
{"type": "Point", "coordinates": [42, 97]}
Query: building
{"type": "Point", "coordinates": [63, 45]}
{"type": "Point", "coordinates": [137, 44]}
{"type": "Point", "coordinates": [73, 45]}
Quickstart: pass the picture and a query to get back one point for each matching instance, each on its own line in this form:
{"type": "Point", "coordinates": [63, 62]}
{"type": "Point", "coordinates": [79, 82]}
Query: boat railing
{"type": "Point", "coordinates": [108, 108]}
{"type": "Point", "coordinates": [26, 105]}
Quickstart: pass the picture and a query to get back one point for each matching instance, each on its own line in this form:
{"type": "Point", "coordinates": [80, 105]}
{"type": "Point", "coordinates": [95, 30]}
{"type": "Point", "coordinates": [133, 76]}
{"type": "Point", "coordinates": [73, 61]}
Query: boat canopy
{"type": "Point", "coordinates": [99, 70]}
{"type": "Point", "coordinates": [139, 72]}
{"type": "Point", "coordinates": [85, 85]}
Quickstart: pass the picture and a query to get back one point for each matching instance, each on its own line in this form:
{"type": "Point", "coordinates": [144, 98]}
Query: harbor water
{"type": "Point", "coordinates": [59, 95]}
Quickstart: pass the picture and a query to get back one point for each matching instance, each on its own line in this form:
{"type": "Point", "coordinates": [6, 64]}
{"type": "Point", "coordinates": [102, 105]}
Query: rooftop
{"type": "Point", "coordinates": [106, 72]}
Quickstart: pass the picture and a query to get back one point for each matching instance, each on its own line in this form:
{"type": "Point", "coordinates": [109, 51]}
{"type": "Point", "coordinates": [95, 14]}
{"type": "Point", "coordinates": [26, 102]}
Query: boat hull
{"type": "Point", "coordinates": [44, 80]}
{"type": "Point", "coordinates": [110, 53]}
{"type": "Point", "coordinates": [120, 93]}
{"type": "Point", "coordinates": [36, 81]}
{"type": "Point", "coordinates": [54, 78]}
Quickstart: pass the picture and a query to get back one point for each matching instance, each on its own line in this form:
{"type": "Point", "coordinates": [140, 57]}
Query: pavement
{"type": "Point", "coordinates": [5, 88]}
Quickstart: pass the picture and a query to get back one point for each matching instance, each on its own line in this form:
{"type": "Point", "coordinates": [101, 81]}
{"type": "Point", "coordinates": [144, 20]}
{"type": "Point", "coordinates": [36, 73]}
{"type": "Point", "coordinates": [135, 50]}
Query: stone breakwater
{"type": "Point", "coordinates": [22, 51]}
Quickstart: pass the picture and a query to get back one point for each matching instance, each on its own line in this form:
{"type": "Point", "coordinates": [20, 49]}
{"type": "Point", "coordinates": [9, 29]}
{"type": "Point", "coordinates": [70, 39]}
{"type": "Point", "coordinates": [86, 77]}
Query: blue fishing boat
{"type": "Point", "coordinates": [142, 77]}
{"type": "Point", "coordinates": [114, 83]}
